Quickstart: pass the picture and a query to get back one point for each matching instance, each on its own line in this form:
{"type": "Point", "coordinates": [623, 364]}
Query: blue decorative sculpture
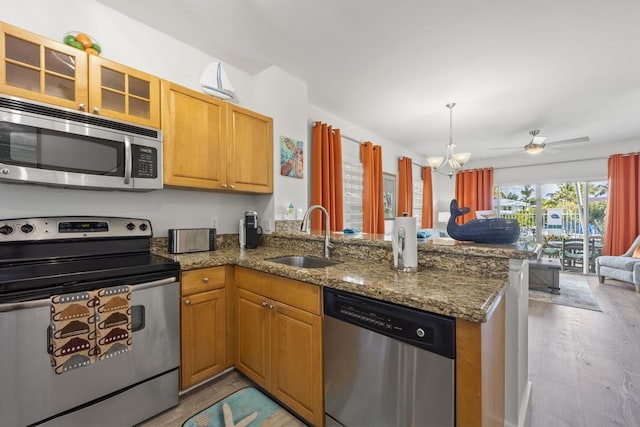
{"type": "Point", "coordinates": [495, 230]}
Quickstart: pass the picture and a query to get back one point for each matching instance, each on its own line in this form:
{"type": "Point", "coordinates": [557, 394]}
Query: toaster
{"type": "Point", "coordinates": [183, 240]}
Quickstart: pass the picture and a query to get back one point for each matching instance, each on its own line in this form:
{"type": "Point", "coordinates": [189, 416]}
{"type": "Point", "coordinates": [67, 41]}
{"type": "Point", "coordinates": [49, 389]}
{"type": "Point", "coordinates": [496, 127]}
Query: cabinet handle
{"type": "Point", "coordinates": [82, 106]}
{"type": "Point", "coordinates": [96, 110]}
{"type": "Point", "coordinates": [187, 302]}
{"type": "Point", "coordinates": [205, 280]}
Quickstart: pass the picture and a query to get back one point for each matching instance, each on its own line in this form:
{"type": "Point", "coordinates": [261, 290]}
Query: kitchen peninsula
{"type": "Point", "coordinates": [478, 285]}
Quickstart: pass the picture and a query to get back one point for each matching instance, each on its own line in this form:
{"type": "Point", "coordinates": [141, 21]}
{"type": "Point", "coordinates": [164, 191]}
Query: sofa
{"type": "Point", "coordinates": [625, 267]}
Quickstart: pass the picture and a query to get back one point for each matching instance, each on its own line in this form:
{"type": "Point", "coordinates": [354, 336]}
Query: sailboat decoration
{"type": "Point", "coordinates": [215, 82]}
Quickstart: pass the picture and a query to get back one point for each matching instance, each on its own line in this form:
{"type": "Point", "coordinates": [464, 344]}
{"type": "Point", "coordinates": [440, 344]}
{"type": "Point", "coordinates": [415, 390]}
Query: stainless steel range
{"type": "Point", "coordinates": [60, 256]}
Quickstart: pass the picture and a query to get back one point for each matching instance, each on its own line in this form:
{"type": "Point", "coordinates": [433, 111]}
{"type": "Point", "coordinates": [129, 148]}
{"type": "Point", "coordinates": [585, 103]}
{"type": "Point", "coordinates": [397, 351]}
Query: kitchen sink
{"type": "Point", "coordinates": [304, 261]}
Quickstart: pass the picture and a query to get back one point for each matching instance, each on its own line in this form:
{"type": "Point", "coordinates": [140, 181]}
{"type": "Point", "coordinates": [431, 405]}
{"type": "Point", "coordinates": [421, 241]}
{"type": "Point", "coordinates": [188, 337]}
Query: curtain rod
{"type": "Point", "coordinates": [357, 141]}
{"type": "Point", "coordinates": [362, 143]}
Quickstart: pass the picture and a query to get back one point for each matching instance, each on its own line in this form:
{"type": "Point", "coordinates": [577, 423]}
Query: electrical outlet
{"type": "Point", "coordinates": [214, 222]}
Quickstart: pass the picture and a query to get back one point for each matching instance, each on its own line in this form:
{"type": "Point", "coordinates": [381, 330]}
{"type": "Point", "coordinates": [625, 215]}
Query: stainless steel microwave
{"type": "Point", "coordinates": [42, 144]}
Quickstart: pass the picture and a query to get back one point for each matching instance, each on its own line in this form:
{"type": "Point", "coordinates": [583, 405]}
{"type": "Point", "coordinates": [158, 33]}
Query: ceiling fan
{"type": "Point", "coordinates": [537, 144]}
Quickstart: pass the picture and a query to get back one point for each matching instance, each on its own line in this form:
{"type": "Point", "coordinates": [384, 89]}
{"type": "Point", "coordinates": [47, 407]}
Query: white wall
{"type": "Point", "coordinates": [283, 97]}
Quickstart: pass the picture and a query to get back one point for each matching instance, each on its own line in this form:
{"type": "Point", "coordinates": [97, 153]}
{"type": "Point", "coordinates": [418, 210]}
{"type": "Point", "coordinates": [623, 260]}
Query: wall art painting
{"type": "Point", "coordinates": [291, 157]}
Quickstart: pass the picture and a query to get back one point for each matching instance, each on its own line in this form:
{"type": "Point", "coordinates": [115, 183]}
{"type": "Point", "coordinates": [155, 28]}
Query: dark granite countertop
{"type": "Point", "coordinates": [444, 291]}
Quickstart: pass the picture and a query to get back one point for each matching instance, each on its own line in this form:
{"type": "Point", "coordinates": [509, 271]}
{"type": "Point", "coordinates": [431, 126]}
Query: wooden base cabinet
{"type": "Point", "coordinates": [279, 339]}
{"type": "Point", "coordinates": [203, 325]}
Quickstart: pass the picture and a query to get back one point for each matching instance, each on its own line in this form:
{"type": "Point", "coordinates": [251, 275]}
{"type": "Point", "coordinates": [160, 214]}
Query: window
{"type": "Point", "coordinates": [352, 182]}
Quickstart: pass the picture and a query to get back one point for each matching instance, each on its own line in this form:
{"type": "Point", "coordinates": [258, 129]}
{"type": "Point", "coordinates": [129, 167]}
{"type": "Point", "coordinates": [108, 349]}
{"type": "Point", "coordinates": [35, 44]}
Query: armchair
{"type": "Point", "coordinates": [624, 267]}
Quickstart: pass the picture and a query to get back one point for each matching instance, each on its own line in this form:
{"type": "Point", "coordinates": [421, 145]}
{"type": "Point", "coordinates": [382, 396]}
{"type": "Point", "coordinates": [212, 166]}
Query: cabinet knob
{"type": "Point", "coordinates": [224, 185]}
{"type": "Point", "coordinates": [205, 280]}
{"type": "Point", "coordinates": [233, 186]}
{"type": "Point", "coordinates": [187, 302]}
{"type": "Point", "coordinates": [271, 306]}
{"type": "Point", "coordinates": [82, 106]}
{"type": "Point", "coordinates": [96, 110]}
{"type": "Point", "coordinates": [264, 303]}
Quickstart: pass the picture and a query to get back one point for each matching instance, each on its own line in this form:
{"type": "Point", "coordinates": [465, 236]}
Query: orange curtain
{"type": "Point", "coordinates": [427, 198]}
{"type": "Point", "coordinates": [372, 204]}
{"type": "Point", "coordinates": [474, 190]}
{"type": "Point", "coordinates": [326, 176]}
{"type": "Point", "coordinates": [623, 213]}
{"type": "Point", "coordinates": [405, 186]}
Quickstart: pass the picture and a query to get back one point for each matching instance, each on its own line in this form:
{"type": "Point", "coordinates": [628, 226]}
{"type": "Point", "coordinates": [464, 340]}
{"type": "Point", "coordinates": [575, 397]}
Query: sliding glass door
{"type": "Point", "coordinates": [567, 218]}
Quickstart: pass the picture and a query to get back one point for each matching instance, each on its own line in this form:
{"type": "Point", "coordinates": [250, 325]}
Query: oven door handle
{"type": "Point", "coordinates": [46, 301]}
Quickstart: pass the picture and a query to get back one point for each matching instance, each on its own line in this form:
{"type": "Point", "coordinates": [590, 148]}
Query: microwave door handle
{"type": "Point", "coordinates": [127, 159]}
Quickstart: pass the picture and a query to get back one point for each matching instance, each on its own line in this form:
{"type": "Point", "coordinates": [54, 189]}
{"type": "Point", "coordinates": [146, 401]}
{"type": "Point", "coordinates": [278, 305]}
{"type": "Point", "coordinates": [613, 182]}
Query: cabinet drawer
{"type": "Point", "coordinates": [297, 294]}
{"type": "Point", "coordinates": [203, 279]}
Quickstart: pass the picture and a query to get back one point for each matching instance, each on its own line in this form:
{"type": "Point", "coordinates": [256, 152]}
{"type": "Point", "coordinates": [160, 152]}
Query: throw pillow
{"type": "Point", "coordinates": [636, 253]}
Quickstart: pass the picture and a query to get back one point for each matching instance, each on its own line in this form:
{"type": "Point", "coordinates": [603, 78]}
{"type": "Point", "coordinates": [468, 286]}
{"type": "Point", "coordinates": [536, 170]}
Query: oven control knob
{"type": "Point", "coordinates": [27, 228]}
{"type": "Point", "coordinates": [131, 226]}
{"type": "Point", "coordinates": [4, 171]}
{"type": "Point", "coordinates": [420, 332]}
{"type": "Point", "coordinates": [143, 227]}
{"type": "Point", "coordinates": [6, 229]}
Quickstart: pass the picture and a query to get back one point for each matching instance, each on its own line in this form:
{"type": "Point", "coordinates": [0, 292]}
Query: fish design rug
{"type": "Point", "coordinates": [574, 292]}
{"type": "Point", "coordinates": [246, 407]}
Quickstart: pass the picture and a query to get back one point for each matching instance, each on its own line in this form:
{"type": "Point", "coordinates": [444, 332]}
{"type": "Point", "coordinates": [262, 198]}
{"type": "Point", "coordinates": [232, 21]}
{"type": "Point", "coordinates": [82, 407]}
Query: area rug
{"type": "Point", "coordinates": [246, 407]}
{"type": "Point", "coordinates": [574, 292]}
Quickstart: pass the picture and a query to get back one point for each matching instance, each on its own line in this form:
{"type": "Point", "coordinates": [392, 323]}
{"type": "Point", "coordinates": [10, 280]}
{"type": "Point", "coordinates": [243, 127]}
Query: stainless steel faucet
{"type": "Point", "coordinates": [305, 227]}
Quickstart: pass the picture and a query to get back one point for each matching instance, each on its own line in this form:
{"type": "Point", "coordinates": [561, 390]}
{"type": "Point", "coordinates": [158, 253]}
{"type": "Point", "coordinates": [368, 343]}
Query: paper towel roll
{"type": "Point", "coordinates": [410, 253]}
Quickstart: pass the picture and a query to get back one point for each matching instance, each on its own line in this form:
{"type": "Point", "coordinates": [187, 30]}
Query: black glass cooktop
{"type": "Point", "coordinates": [29, 280]}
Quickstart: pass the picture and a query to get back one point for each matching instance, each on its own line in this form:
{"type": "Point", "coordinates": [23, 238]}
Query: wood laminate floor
{"type": "Point", "coordinates": [584, 365]}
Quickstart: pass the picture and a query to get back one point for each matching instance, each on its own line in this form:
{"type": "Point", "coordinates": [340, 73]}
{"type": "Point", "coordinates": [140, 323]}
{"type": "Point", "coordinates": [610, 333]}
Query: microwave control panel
{"type": "Point", "coordinates": [145, 162]}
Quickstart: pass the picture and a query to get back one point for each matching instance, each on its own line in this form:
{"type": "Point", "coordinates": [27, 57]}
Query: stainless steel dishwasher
{"type": "Point", "coordinates": [386, 365]}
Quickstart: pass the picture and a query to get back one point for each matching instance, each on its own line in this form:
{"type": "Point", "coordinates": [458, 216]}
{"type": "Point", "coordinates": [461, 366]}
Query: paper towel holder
{"type": "Point", "coordinates": [399, 241]}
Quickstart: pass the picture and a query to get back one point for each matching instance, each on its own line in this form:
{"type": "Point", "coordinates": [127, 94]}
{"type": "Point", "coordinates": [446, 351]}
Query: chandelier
{"type": "Point", "coordinates": [453, 161]}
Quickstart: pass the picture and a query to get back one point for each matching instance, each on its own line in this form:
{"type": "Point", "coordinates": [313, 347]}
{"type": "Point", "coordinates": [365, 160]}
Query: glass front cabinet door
{"type": "Point", "coordinates": [124, 93]}
{"type": "Point", "coordinates": [37, 68]}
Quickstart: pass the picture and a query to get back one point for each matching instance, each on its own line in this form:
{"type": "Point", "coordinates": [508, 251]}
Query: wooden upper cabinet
{"type": "Point", "coordinates": [41, 69]}
{"type": "Point", "coordinates": [194, 128]}
{"type": "Point", "coordinates": [123, 93]}
{"type": "Point", "coordinates": [213, 145]}
{"type": "Point", "coordinates": [35, 67]}
{"type": "Point", "coordinates": [250, 155]}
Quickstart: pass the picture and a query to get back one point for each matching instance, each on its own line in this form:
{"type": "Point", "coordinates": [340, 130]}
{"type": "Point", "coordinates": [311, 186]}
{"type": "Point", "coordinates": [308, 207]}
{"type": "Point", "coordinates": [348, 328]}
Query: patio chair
{"type": "Point", "coordinates": [625, 267]}
{"type": "Point", "coordinates": [572, 253]}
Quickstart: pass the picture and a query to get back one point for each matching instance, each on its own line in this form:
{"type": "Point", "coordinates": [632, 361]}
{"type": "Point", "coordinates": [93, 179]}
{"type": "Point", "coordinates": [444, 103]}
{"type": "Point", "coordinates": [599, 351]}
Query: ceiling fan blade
{"type": "Point", "coordinates": [551, 149]}
{"type": "Point", "coordinates": [569, 141]}
{"type": "Point", "coordinates": [538, 139]}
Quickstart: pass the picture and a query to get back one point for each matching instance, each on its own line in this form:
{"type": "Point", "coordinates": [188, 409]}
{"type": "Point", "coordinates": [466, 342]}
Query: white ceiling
{"type": "Point", "coordinates": [570, 68]}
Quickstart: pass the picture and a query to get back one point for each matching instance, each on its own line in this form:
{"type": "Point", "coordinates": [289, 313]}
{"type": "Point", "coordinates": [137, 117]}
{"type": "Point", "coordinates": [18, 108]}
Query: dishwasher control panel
{"type": "Point", "coordinates": [429, 331]}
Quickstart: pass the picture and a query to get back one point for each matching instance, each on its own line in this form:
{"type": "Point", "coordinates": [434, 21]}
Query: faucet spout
{"type": "Point", "coordinates": [304, 226]}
